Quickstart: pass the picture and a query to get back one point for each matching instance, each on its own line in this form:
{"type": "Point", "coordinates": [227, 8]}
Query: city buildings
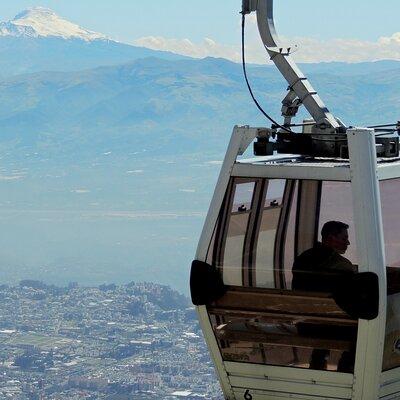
{"type": "Point", "coordinates": [137, 341]}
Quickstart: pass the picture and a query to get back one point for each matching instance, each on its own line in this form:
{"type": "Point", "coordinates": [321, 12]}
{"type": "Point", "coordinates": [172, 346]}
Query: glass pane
{"type": "Point", "coordinates": [235, 232]}
{"type": "Point", "coordinates": [234, 248]}
{"type": "Point", "coordinates": [390, 194]}
{"type": "Point", "coordinates": [337, 205]}
{"type": "Point", "coordinates": [265, 250]}
{"type": "Point", "coordinates": [275, 191]}
{"type": "Point", "coordinates": [243, 196]}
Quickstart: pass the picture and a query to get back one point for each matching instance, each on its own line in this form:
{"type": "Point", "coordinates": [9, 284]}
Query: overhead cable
{"type": "Point", "coordinates": [248, 83]}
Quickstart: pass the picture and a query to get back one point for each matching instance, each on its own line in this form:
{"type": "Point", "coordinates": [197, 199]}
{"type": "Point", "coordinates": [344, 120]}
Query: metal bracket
{"type": "Point", "coordinates": [290, 106]}
{"type": "Point", "coordinates": [326, 145]}
{"type": "Point", "coordinates": [248, 6]}
{"type": "Point", "coordinates": [284, 62]}
{"type": "Point", "coordinates": [247, 135]}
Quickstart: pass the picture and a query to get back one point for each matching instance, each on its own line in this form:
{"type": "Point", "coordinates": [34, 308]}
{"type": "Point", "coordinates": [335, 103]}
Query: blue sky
{"type": "Point", "coordinates": [194, 19]}
{"type": "Point", "coordinates": [130, 20]}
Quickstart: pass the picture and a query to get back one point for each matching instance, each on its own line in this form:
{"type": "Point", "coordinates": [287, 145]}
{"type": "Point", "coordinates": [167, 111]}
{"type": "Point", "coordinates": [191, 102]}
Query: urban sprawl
{"type": "Point", "coordinates": [136, 341]}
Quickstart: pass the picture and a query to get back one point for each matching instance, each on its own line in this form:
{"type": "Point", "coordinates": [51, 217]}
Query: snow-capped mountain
{"type": "Point", "coordinates": [39, 40]}
{"type": "Point", "coordinates": [43, 22]}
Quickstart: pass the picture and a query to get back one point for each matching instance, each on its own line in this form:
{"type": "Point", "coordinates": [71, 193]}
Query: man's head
{"type": "Point", "coordinates": [335, 235]}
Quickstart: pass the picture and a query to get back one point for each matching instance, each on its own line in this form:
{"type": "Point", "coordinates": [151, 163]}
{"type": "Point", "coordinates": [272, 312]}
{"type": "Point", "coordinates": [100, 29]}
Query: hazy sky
{"type": "Point", "coordinates": [194, 27]}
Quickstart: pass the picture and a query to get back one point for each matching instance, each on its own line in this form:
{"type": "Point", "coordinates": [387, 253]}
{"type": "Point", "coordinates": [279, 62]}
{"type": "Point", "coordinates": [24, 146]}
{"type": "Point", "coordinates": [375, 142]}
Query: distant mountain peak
{"type": "Point", "coordinates": [35, 12]}
{"type": "Point", "coordinates": [44, 22]}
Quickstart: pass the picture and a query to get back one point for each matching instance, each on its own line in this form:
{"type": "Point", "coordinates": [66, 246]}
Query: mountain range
{"type": "Point", "coordinates": [170, 106]}
{"type": "Point", "coordinates": [109, 152]}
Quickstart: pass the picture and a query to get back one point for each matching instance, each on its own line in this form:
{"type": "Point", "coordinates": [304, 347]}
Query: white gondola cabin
{"type": "Point", "coordinates": [265, 212]}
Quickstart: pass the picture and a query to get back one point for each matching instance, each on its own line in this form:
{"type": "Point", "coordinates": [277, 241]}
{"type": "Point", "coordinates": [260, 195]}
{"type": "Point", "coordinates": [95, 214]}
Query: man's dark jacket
{"type": "Point", "coordinates": [320, 269]}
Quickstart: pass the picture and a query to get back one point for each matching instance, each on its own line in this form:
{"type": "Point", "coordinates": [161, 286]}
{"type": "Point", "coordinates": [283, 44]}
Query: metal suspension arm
{"type": "Point", "coordinates": [286, 65]}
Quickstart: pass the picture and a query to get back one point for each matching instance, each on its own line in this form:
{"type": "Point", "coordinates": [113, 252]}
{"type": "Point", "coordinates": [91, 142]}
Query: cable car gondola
{"type": "Point", "coordinates": [262, 330]}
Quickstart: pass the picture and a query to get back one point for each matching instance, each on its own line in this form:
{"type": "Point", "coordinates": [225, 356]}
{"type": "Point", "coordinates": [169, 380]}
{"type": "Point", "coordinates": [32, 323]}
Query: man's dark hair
{"type": "Point", "coordinates": [333, 228]}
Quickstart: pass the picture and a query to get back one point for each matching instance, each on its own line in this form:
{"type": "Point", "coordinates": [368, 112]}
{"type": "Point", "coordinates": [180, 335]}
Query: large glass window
{"type": "Point", "coordinates": [390, 195]}
{"type": "Point", "coordinates": [268, 223]}
{"type": "Point", "coordinates": [390, 199]}
{"type": "Point", "coordinates": [266, 226]}
{"type": "Point", "coordinates": [247, 249]}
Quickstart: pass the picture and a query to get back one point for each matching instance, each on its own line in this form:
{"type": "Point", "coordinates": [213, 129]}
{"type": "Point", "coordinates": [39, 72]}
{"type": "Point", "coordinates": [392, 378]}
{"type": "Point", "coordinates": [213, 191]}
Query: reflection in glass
{"type": "Point", "coordinates": [265, 247]}
{"type": "Point", "coordinates": [265, 341]}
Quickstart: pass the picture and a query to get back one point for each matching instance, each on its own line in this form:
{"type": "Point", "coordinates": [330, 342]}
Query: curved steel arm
{"type": "Point", "coordinates": [286, 65]}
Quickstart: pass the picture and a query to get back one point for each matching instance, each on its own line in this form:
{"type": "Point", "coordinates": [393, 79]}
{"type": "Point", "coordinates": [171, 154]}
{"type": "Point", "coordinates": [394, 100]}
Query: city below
{"type": "Point", "coordinates": [136, 341]}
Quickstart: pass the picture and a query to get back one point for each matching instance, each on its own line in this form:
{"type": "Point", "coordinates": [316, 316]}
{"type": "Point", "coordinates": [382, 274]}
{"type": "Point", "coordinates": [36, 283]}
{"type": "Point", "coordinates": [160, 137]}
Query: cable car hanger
{"type": "Point", "coordinates": [298, 83]}
{"type": "Point", "coordinates": [324, 135]}
{"type": "Point", "coordinates": [280, 320]}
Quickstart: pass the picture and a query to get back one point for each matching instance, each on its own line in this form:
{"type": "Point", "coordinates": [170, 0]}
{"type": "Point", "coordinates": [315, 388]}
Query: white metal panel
{"type": "Point", "coordinates": [223, 180]}
{"type": "Point", "coordinates": [292, 171]}
{"type": "Point", "coordinates": [273, 382]}
{"type": "Point", "coordinates": [287, 373]}
{"type": "Point", "coordinates": [370, 245]}
{"type": "Point", "coordinates": [273, 158]}
{"type": "Point", "coordinates": [212, 345]}
{"type": "Point", "coordinates": [267, 395]}
{"type": "Point", "coordinates": [291, 386]}
{"type": "Point", "coordinates": [388, 170]}
{"type": "Point", "coordinates": [241, 137]}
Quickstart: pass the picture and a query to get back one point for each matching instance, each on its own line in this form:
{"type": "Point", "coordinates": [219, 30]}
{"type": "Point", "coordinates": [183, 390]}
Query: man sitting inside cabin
{"type": "Point", "coordinates": [321, 269]}
{"type": "Point", "coordinates": [316, 268]}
